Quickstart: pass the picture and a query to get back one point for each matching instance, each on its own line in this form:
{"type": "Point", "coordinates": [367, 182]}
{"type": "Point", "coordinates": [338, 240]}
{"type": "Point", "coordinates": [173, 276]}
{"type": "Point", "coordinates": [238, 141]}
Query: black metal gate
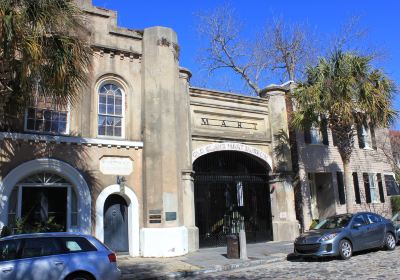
{"type": "Point", "coordinates": [231, 193]}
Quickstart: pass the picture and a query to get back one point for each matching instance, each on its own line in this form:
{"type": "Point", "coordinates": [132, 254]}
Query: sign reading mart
{"type": "Point", "coordinates": [229, 146]}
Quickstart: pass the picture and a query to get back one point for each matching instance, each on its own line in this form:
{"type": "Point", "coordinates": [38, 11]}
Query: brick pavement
{"type": "Point", "coordinates": [375, 264]}
{"type": "Point", "coordinates": [203, 261]}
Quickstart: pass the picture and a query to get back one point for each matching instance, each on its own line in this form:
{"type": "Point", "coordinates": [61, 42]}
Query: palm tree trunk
{"type": "Point", "coordinates": [348, 182]}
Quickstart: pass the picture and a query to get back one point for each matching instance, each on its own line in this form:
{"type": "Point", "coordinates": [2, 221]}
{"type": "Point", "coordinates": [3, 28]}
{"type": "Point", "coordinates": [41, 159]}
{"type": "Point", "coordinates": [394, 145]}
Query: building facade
{"type": "Point", "coordinates": [146, 163]}
{"type": "Point", "coordinates": [322, 180]}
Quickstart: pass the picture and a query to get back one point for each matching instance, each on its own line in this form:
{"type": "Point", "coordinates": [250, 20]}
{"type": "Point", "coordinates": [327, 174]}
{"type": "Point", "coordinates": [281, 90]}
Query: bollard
{"type": "Point", "coordinates": [243, 245]}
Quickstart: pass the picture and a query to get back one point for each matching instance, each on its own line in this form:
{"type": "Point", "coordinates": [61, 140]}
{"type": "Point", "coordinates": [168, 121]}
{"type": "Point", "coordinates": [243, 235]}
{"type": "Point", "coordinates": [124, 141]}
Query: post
{"type": "Point", "coordinates": [243, 245]}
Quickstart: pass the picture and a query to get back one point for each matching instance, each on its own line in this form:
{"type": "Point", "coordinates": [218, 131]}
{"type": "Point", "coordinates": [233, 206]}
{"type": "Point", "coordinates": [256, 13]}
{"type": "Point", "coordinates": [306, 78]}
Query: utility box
{"type": "Point", "coordinates": [233, 247]}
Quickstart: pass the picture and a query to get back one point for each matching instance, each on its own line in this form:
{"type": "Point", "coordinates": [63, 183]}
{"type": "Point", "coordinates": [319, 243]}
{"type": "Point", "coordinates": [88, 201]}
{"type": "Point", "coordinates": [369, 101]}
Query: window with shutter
{"type": "Point", "coordinates": [342, 198]}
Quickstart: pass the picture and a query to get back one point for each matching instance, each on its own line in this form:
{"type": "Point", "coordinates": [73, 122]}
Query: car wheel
{"type": "Point", "coordinates": [345, 249]}
{"type": "Point", "coordinates": [79, 276]}
{"type": "Point", "coordinates": [390, 242]}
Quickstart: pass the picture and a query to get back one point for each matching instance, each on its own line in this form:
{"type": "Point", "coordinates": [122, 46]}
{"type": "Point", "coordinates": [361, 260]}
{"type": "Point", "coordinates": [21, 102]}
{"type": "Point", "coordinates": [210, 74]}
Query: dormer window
{"type": "Point", "coordinates": [46, 117]}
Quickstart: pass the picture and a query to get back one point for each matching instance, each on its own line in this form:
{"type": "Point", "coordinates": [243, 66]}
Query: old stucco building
{"type": "Point", "coordinates": [146, 163]}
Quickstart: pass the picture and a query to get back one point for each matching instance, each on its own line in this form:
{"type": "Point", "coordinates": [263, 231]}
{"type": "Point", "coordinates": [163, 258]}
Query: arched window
{"type": "Point", "coordinates": [110, 117]}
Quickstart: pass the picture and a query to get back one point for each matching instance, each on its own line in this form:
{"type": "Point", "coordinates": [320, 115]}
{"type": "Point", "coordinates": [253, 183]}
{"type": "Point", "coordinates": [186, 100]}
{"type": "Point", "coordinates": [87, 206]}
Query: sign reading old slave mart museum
{"type": "Point", "coordinates": [230, 147]}
{"type": "Point", "coordinates": [116, 165]}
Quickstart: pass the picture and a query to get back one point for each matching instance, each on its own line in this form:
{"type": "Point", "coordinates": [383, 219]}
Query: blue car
{"type": "Point", "coordinates": [341, 235]}
{"type": "Point", "coordinates": [53, 256]}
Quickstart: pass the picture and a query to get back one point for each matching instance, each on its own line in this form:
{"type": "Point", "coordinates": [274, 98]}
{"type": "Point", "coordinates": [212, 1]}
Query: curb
{"type": "Point", "coordinates": [214, 269]}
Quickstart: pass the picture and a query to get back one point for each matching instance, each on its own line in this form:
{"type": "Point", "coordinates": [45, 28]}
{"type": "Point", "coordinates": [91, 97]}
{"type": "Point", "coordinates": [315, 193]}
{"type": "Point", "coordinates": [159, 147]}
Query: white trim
{"type": "Point", "coordinates": [67, 139]}
{"type": "Point", "coordinates": [231, 146]}
{"type": "Point", "coordinates": [133, 215]}
{"type": "Point", "coordinates": [164, 242]}
{"type": "Point", "coordinates": [120, 83]}
{"type": "Point", "coordinates": [55, 166]}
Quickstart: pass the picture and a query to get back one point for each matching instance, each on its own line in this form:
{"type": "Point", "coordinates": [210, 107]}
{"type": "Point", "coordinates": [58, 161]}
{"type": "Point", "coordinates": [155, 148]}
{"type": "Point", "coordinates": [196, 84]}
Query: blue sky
{"type": "Point", "coordinates": [323, 17]}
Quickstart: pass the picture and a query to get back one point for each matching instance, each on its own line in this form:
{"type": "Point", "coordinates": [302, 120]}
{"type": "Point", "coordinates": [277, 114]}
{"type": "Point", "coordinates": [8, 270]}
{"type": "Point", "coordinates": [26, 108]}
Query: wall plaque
{"type": "Point", "coordinates": [170, 216]}
{"type": "Point", "coordinates": [116, 165]}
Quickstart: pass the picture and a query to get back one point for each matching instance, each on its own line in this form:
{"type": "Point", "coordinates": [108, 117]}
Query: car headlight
{"type": "Point", "coordinates": [328, 236]}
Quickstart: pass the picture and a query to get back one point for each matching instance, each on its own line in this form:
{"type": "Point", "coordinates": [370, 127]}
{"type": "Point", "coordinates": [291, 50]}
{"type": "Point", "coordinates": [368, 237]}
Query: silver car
{"type": "Point", "coordinates": [66, 256]}
{"type": "Point", "coordinates": [342, 235]}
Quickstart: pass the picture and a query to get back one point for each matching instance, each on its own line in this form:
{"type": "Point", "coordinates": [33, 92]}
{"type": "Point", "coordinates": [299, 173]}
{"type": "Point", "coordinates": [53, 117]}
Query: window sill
{"type": "Point", "coordinates": [111, 137]}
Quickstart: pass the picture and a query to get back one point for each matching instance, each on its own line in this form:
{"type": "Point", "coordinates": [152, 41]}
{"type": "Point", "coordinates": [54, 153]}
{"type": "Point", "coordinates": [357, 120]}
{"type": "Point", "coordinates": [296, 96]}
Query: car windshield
{"type": "Point", "coordinates": [334, 222]}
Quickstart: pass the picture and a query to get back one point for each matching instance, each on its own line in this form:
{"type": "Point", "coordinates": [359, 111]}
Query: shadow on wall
{"type": "Point", "coordinates": [16, 152]}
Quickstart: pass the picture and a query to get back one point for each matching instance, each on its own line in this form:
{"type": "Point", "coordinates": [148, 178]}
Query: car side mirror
{"type": "Point", "coordinates": [398, 218]}
{"type": "Point", "coordinates": [357, 225]}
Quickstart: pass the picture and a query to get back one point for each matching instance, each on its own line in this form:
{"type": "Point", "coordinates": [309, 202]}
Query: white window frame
{"type": "Point", "coordinates": [373, 187]}
{"type": "Point", "coordinates": [121, 86]}
{"type": "Point", "coordinates": [316, 136]}
{"type": "Point", "coordinates": [366, 136]}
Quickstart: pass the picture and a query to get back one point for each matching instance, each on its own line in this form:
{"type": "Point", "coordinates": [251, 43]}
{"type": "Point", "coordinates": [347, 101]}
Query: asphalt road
{"type": "Point", "coordinates": [376, 264]}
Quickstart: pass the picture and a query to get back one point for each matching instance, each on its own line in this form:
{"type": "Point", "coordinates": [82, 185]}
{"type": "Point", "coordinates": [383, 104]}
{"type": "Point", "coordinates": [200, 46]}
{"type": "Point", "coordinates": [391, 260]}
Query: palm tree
{"type": "Point", "coordinates": [344, 90]}
{"type": "Point", "coordinates": [42, 50]}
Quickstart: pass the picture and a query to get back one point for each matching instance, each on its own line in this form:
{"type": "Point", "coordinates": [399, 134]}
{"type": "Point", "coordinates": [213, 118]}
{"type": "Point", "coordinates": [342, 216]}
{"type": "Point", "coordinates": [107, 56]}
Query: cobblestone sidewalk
{"type": "Point", "coordinates": [203, 261]}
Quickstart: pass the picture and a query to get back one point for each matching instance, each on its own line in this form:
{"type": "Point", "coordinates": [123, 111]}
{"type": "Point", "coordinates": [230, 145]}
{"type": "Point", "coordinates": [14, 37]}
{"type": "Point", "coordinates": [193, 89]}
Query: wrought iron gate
{"type": "Point", "coordinates": [231, 193]}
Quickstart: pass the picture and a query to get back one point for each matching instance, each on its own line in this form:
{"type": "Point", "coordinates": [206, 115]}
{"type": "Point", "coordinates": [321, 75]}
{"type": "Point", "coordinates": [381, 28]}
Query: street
{"type": "Point", "coordinates": [365, 265]}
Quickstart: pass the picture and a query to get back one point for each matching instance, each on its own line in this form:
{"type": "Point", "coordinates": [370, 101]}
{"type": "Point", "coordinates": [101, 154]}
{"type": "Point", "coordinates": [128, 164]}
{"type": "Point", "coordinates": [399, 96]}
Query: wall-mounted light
{"type": "Point", "coordinates": [121, 182]}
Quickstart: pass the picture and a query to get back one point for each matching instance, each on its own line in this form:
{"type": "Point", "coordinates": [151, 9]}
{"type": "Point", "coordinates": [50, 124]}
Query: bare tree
{"type": "Point", "coordinates": [288, 48]}
{"type": "Point", "coordinates": [280, 49]}
{"type": "Point", "coordinates": [225, 47]}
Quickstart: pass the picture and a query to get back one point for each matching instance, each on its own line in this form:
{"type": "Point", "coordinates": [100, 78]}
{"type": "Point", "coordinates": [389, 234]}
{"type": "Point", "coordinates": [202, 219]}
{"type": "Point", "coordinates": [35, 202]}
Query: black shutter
{"type": "Point", "coordinates": [356, 188]}
{"type": "Point", "coordinates": [334, 138]}
{"type": "Point", "coordinates": [361, 142]}
{"type": "Point", "coordinates": [380, 186]}
{"type": "Point", "coordinates": [373, 139]}
{"type": "Point", "coordinates": [366, 187]}
{"type": "Point", "coordinates": [307, 135]}
{"type": "Point", "coordinates": [324, 131]}
{"type": "Point", "coordinates": [342, 198]}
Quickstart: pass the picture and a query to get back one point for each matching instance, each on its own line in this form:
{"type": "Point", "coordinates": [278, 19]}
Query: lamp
{"type": "Point", "coordinates": [121, 182]}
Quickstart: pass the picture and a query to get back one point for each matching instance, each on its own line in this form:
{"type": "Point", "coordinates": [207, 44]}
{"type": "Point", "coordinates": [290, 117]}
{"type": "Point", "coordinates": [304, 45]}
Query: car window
{"type": "Point", "coordinates": [76, 244]}
{"type": "Point", "coordinates": [9, 250]}
{"type": "Point", "coordinates": [359, 219]}
{"type": "Point", "coordinates": [339, 221]}
{"type": "Point", "coordinates": [372, 219]}
{"type": "Point", "coordinates": [37, 247]}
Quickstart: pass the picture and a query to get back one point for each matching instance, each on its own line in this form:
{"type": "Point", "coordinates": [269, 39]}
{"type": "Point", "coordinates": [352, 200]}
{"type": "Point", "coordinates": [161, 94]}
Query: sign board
{"type": "Point", "coordinates": [116, 166]}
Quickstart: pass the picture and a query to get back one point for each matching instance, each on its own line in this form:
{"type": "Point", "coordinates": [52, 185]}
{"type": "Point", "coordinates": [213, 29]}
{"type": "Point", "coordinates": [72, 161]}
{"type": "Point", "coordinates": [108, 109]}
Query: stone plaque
{"type": "Point", "coordinates": [116, 166]}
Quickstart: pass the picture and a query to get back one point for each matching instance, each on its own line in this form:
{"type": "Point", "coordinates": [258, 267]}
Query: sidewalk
{"type": "Point", "coordinates": [202, 261]}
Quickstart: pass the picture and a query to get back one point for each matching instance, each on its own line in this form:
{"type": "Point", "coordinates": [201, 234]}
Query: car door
{"type": "Point", "coordinates": [40, 259]}
{"type": "Point", "coordinates": [9, 250]}
{"type": "Point", "coordinates": [359, 233]}
{"type": "Point", "coordinates": [376, 232]}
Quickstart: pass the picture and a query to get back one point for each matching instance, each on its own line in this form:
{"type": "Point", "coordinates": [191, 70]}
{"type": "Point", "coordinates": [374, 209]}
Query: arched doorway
{"type": "Point", "coordinates": [116, 223]}
{"type": "Point", "coordinates": [73, 208]}
{"type": "Point", "coordinates": [231, 192]}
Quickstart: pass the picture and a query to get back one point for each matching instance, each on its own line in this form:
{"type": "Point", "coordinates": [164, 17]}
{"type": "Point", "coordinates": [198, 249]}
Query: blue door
{"type": "Point", "coordinates": [116, 223]}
